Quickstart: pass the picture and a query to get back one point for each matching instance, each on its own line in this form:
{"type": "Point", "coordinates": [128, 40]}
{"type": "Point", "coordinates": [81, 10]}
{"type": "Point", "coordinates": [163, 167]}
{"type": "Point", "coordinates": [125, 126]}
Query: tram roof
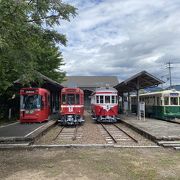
{"type": "Point", "coordinates": [138, 81]}
{"type": "Point", "coordinates": [162, 92]}
{"type": "Point", "coordinates": [105, 89]}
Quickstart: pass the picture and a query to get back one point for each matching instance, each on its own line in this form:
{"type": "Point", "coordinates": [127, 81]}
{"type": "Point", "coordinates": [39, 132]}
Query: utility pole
{"type": "Point", "coordinates": [162, 83]}
{"type": "Point", "coordinates": [170, 77]}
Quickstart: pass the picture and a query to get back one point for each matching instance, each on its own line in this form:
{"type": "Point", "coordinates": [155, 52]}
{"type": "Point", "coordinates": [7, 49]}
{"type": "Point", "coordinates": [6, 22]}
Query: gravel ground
{"type": "Point", "coordinates": [90, 133]}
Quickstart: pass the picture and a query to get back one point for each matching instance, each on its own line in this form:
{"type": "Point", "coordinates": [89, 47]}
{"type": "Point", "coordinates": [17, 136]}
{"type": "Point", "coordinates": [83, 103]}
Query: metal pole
{"type": "Point", "coordinates": [129, 107]}
{"type": "Point", "coordinates": [123, 103]}
{"type": "Point", "coordinates": [170, 77]}
{"type": "Point", "coordinates": [138, 114]}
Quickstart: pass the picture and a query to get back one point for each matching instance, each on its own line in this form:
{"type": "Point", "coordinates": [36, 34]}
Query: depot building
{"type": "Point", "coordinates": [88, 84]}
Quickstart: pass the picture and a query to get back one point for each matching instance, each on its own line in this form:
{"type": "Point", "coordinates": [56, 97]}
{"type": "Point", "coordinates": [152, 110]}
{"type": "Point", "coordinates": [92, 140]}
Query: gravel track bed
{"type": "Point", "coordinates": [142, 141]}
{"type": "Point", "coordinates": [87, 133]}
{"type": "Point", "coordinates": [91, 133]}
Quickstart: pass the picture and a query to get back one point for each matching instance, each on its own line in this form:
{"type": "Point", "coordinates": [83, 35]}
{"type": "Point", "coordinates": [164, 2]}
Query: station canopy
{"type": "Point", "coordinates": [138, 81]}
{"type": "Point", "coordinates": [47, 83]}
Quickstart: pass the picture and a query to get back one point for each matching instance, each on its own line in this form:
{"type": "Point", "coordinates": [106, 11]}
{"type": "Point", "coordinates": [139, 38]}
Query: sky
{"type": "Point", "coordinates": [123, 37]}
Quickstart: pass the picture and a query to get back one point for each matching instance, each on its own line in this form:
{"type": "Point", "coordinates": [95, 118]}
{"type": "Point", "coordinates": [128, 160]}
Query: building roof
{"type": "Point", "coordinates": [47, 82]}
{"type": "Point", "coordinates": [138, 81]}
{"type": "Point", "coordinates": [90, 82]}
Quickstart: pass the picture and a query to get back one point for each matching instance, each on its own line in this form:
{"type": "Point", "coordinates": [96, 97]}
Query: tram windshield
{"type": "Point", "coordinates": [70, 99]}
{"type": "Point", "coordinates": [30, 101]}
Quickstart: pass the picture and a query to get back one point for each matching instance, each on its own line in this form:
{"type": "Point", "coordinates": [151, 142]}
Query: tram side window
{"type": "Point", "coordinates": [63, 99]}
{"type": "Point", "coordinates": [101, 99]}
{"type": "Point", "coordinates": [174, 101]}
{"type": "Point", "coordinates": [154, 100]}
{"type": "Point", "coordinates": [97, 99]}
{"type": "Point", "coordinates": [166, 101]}
{"type": "Point", "coordinates": [48, 100]}
{"type": "Point", "coordinates": [77, 99]}
{"type": "Point", "coordinates": [158, 101]}
{"type": "Point", "coordinates": [115, 99]}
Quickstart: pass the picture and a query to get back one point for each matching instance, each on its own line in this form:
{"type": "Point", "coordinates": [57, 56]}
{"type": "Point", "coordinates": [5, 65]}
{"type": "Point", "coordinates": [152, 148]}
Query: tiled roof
{"type": "Point", "coordinates": [90, 81]}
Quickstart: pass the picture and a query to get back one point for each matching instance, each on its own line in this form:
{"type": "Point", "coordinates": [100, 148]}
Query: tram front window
{"type": "Point", "coordinates": [30, 101]}
{"type": "Point", "coordinates": [70, 99]}
{"type": "Point", "coordinates": [107, 99]}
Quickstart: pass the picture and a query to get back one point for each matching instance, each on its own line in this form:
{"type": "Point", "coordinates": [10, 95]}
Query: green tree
{"type": "Point", "coordinates": [28, 41]}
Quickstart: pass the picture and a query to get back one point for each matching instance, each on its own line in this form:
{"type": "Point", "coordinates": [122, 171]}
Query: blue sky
{"type": "Point", "coordinates": [123, 37]}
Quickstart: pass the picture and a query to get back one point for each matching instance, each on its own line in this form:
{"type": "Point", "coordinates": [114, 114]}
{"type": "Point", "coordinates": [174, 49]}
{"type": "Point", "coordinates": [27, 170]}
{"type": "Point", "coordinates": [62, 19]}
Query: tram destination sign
{"type": "Point", "coordinates": [174, 94]}
{"type": "Point", "coordinates": [29, 91]}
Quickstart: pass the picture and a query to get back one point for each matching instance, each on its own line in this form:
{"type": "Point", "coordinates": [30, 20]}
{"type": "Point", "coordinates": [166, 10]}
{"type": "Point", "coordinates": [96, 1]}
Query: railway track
{"type": "Point", "coordinates": [114, 134]}
{"type": "Point", "coordinates": [68, 133]}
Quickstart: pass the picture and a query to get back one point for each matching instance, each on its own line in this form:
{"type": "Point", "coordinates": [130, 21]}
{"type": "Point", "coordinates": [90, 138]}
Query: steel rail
{"type": "Point", "coordinates": [126, 133]}
{"type": "Point", "coordinates": [75, 133]}
{"type": "Point", "coordinates": [58, 133]}
{"type": "Point", "coordinates": [109, 133]}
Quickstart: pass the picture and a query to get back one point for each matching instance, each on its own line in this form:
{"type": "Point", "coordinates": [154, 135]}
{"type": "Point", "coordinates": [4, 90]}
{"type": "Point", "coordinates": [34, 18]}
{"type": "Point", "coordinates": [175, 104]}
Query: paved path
{"type": "Point", "coordinates": [160, 130]}
{"type": "Point", "coordinates": [18, 129]}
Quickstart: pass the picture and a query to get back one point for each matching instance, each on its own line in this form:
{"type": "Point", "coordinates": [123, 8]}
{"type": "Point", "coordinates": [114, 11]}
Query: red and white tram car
{"type": "Point", "coordinates": [34, 105]}
{"type": "Point", "coordinates": [72, 106]}
{"type": "Point", "coordinates": [104, 105]}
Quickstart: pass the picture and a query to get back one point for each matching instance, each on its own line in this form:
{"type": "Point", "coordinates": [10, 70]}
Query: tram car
{"type": "Point", "coordinates": [104, 105]}
{"type": "Point", "coordinates": [34, 105]}
{"type": "Point", "coordinates": [72, 106]}
{"type": "Point", "coordinates": [161, 105]}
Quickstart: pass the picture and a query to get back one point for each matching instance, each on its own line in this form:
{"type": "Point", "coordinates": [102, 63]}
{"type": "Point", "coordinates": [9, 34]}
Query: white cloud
{"type": "Point", "coordinates": [122, 37]}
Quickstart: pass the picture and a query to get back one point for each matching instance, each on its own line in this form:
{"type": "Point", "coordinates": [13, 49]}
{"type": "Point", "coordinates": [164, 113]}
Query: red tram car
{"type": "Point", "coordinates": [72, 106]}
{"type": "Point", "coordinates": [34, 105]}
{"type": "Point", "coordinates": [104, 105]}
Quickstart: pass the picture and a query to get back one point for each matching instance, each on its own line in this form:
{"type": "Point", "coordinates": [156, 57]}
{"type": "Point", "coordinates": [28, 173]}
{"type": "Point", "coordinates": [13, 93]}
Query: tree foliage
{"type": "Point", "coordinates": [28, 41]}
